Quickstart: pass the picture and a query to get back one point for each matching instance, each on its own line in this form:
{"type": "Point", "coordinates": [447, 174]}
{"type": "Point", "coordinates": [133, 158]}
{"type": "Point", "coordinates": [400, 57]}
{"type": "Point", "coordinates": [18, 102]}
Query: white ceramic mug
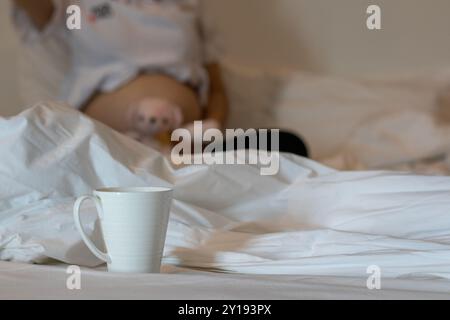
{"type": "Point", "coordinates": [134, 225]}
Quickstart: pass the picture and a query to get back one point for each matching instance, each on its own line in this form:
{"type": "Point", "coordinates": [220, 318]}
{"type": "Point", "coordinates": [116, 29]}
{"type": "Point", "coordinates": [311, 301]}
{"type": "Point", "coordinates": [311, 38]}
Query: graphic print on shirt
{"type": "Point", "coordinates": [101, 11]}
{"type": "Point", "coordinates": [105, 10]}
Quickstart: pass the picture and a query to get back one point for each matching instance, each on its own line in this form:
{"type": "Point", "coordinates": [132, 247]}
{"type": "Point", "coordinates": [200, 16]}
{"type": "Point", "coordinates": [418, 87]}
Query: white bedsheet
{"type": "Point", "coordinates": [329, 111]}
{"type": "Point", "coordinates": [18, 281]}
{"type": "Point", "coordinates": [307, 220]}
{"type": "Point", "coordinates": [408, 140]}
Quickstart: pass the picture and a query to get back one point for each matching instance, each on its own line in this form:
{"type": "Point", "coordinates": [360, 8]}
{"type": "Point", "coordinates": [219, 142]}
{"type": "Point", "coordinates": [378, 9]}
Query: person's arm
{"type": "Point", "coordinates": [217, 107]}
{"type": "Point", "coordinates": [39, 11]}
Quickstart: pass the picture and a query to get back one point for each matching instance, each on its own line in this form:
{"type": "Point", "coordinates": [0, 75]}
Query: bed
{"type": "Point", "coordinates": [48, 282]}
{"type": "Point", "coordinates": [308, 232]}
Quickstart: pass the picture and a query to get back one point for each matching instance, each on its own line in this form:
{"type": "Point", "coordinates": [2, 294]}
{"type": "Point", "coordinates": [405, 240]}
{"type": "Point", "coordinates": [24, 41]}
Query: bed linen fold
{"type": "Point", "coordinates": [306, 220]}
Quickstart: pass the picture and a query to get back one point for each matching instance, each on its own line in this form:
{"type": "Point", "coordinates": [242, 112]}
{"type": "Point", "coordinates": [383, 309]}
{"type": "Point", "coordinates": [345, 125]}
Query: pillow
{"type": "Point", "coordinates": [252, 93]}
{"type": "Point", "coordinates": [43, 58]}
{"type": "Point", "coordinates": [42, 67]}
{"type": "Point", "coordinates": [394, 141]}
{"type": "Point", "coordinates": [326, 110]}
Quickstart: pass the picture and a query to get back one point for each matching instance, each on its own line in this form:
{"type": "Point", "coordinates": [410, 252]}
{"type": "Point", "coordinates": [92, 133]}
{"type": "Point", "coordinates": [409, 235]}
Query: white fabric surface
{"type": "Point", "coordinates": [18, 281]}
{"type": "Point", "coordinates": [307, 220]}
{"type": "Point", "coordinates": [404, 140]}
{"type": "Point", "coordinates": [328, 111]}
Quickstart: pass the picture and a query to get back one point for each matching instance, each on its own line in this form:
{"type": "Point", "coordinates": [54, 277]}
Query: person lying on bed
{"type": "Point", "coordinates": [137, 66]}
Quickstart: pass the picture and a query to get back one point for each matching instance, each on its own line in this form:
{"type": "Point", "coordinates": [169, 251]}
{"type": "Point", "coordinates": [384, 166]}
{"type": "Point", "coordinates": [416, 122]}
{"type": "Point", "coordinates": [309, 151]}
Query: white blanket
{"type": "Point", "coordinates": [403, 140]}
{"type": "Point", "coordinates": [307, 220]}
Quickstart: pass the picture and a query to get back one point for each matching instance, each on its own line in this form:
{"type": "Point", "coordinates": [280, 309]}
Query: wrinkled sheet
{"type": "Point", "coordinates": [330, 112]}
{"type": "Point", "coordinates": [408, 140]}
{"type": "Point", "coordinates": [306, 220]}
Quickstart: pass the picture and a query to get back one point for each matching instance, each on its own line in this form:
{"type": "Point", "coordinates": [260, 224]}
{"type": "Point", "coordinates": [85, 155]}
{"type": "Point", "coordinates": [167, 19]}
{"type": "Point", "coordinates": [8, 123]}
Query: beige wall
{"type": "Point", "coordinates": [9, 101]}
{"type": "Point", "coordinates": [331, 35]}
{"type": "Point", "coordinates": [319, 35]}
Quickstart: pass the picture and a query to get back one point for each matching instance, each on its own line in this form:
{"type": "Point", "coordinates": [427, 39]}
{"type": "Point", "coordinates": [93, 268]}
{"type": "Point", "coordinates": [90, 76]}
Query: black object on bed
{"type": "Point", "coordinates": [289, 143]}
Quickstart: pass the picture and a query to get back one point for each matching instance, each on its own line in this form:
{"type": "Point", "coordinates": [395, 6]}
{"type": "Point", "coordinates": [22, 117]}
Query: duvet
{"type": "Point", "coordinates": [307, 220]}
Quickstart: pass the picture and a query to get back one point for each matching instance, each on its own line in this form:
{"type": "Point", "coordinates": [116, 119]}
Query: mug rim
{"type": "Point", "coordinates": [132, 190]}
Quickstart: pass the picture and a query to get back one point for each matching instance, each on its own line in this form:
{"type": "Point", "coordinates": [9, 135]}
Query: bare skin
{"type": "Point", "coordinates": [217, 107]}
{"type": "Point", "coordinates": [40, 12]}
{"type": "Point", "coordinates": [442, 113]}
{"type": "Point", "coordinates": [111, 108]}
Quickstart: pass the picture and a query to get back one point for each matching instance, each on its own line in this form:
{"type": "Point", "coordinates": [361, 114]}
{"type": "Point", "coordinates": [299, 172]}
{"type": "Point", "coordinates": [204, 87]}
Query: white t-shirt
{"type": "Point", "coordinates": [120, 39]}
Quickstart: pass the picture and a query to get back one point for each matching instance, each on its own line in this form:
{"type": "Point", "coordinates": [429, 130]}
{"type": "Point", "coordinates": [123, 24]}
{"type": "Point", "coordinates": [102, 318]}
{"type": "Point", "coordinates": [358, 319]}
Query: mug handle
{"type": "Point", "coordinates": [76, 215]}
